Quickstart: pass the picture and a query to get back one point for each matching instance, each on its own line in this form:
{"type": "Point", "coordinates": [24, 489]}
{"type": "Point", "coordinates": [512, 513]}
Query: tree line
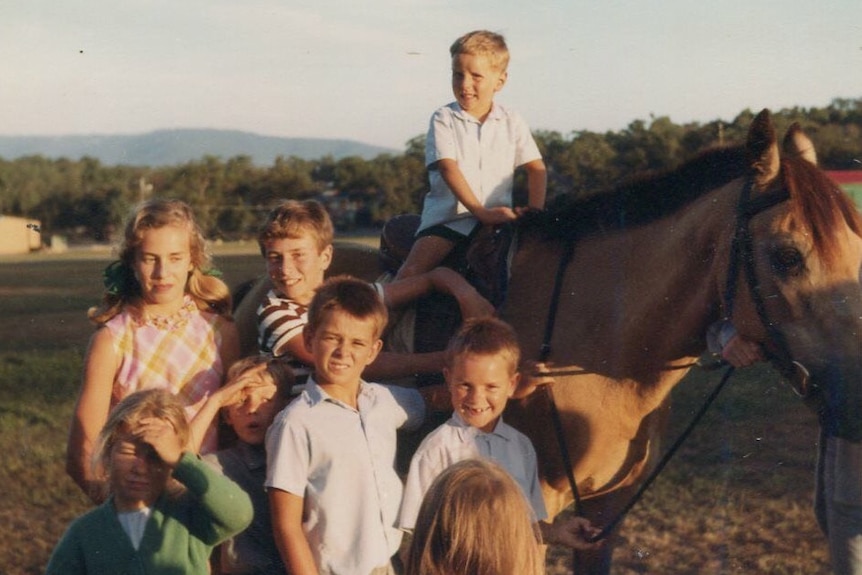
{"type": "Point", "coordinates": [87, 200]}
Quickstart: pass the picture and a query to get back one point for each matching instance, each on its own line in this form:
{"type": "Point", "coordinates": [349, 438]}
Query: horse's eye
{"type": "Point", "coordinates": [787, 261]}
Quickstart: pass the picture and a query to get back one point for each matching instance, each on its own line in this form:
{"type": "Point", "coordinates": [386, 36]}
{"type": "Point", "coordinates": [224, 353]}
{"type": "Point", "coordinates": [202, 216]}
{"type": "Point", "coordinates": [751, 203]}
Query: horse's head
{"type": "Point", "coordinates": [797, 289]}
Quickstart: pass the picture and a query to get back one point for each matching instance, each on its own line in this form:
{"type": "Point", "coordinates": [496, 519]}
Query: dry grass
{"type": "Point", "coordinates": [735, 500]}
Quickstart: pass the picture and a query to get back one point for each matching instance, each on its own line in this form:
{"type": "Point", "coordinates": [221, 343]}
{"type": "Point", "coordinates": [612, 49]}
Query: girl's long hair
{"type": "Point", "coordinates": [474, 520]}
{"type": "Point", "coordinates": [208, 291]}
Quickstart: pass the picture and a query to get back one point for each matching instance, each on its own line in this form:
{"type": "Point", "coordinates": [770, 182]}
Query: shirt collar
{"type": "Point", "coordinates": [467, 432]}
{"type": "Point", "coordinates": [316, 395]}
{"type": "Point", "coordinates": [495, 113]}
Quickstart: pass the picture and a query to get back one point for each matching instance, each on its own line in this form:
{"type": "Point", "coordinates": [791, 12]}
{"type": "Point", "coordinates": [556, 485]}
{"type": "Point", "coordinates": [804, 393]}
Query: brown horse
{"type": "Point", "coordinates": [767, 241]}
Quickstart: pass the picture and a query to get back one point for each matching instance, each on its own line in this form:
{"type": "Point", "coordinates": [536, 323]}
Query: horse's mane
{"type": "Point", "coordinates": [819, 206]}
{"type": "Point", "coordinates": [642, 199]}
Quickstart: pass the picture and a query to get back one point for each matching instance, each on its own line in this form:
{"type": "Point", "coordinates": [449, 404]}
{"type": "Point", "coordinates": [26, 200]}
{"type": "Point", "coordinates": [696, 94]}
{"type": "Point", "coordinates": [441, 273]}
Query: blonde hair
{"type": "Point", "coordinates": [294, 219]}
{"type": "Point", "coordinates": [156, 403]}
{"type": "Point", "coordinates": [353, 296]}
{"type": "Point", "coordinates": [485, 336]}
{"type": "Point", "coordinates": [474, 519]}
{"type": "Point", "coordinates": [483, 43]}
{"type": "Point", "coordinates": [208, 292]}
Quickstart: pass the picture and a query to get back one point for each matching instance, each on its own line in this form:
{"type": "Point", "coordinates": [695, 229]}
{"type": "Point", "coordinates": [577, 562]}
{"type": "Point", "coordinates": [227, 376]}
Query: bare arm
{"type": "Point", "coordinates": [287, 529]}
{"type": "Point", "coordinates": [454, 178]}
{"type": "Point", "coordinates": [390, 365]}
{"type": "Point", "coordinates": [229, 351]}
{"type": "Point", "coordinates": [91, 411]}
{"type": "Point", "coordinates": [537, 184]}
{"type": "Point", "coordinates": [443, 280]}
{"type": "Point", "coordinates": [222, 397]}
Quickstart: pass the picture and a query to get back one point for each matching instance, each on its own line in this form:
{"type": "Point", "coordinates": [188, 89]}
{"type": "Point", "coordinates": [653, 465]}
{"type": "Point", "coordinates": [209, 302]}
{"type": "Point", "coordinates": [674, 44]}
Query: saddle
{"type": "Point", "coordinates": [483, 261]}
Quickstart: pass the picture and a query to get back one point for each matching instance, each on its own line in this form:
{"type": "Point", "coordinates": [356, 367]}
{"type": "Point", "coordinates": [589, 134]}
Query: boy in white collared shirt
{"type": "Point", "coordinates": [333, 489]}
{"type": "Point", "coordinates": [472, 150]}
{"type": "Point", "coordinates": [481, 373]}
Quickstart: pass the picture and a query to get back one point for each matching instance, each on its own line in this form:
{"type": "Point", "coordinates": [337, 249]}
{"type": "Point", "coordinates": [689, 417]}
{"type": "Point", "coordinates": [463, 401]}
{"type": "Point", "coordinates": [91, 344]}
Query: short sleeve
{"type": "Point", "coordinates": [288, 456]}
{"type": "Point", "coordinates": [279, 320]}
{"type": "Point", "coordinates": [526, 149]}
{"type": "Point", "coordinates": [411, 404]}
{"type": "Point", "coordinates": [440, 142]}
{"type": "Point", "coordinates": [424, 468]}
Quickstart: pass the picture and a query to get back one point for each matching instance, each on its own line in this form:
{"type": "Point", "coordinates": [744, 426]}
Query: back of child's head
{"type": "Point", "coordinates": [296, 219]}
{"type": "Point", "coordinates": [485, 336]}
{"type": "Point", "coordinates": [483, 43]}
{"type": "Point", "coordinates": [353, 296]}
{"type": "Point", "coordinates": [127, 415]}
{"type": "Point", "coordinates": [275, 371]}
{"type": "Point", "coordinates": [208, 291]}
{"type": "Point", "coordinates": [474, 519]}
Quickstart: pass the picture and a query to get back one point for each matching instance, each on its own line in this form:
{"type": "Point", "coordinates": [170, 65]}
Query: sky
{"type": "Point", "coordinates": [375, 70]}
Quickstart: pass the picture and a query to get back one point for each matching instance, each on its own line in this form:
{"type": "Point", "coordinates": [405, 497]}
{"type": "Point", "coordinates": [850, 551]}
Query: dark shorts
{"type": "Point", "coordinates": [447, 233]}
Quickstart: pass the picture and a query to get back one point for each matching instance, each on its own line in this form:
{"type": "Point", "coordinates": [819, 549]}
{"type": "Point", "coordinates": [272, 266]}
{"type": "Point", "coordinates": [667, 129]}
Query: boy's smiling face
{"type": "Point", "coordinates": [480, 386]}
{"type": "Point", "coordinates": [474, 82]}
{"type": "Point", "coordinates": [342, 346]}
{"type": "Point", "coordinates": [296, 266]}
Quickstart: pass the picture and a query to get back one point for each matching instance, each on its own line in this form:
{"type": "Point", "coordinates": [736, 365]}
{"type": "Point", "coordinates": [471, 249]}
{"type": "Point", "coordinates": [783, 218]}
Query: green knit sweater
{"type": "Point", "coordinates": [178, 538]}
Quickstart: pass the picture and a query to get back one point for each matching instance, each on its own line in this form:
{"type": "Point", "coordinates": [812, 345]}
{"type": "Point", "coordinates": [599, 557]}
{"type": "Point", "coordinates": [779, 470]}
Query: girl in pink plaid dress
{"type": "Point", "coordinates": [164, 322]}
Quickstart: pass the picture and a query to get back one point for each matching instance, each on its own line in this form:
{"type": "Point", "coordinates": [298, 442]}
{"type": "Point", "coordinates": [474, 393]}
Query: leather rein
{"type": "Point", "coordinates": [741, 261]}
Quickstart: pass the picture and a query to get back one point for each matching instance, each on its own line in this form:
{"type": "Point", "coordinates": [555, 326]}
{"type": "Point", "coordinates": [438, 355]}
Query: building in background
{"type": "Point", "coordinates": [19, 235]}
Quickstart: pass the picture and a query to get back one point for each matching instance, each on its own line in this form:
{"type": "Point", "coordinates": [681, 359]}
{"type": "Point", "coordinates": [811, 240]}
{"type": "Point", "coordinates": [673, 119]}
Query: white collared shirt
{"type": "Point", "coordinates": [456, 441]}
{"type": "Point", "coordinates": [487, 154]}
{"type": "Point", "coordinates": [342, 462]}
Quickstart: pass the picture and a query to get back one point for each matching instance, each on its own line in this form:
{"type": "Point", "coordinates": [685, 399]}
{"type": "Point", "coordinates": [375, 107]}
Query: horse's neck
{"type": "Point", "coordinates": [632, 301]}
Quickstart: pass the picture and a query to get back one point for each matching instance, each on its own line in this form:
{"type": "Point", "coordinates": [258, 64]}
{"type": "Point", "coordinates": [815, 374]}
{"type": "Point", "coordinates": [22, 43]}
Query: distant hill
{"type": "Point", "coordinates": [172, 147]}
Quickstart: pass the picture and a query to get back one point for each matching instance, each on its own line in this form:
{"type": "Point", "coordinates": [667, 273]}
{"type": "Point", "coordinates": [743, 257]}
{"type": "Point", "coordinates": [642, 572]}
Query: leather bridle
{"type": "Point", "coordinates": [742, 260]}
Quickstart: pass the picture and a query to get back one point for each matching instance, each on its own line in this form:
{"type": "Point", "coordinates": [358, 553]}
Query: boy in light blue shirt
{"type": "Point", "coordinates": [333, 489]}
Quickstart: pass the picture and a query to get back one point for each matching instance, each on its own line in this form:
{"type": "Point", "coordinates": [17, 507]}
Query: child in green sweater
{"type": "Point", "coordinates": [166, 509]}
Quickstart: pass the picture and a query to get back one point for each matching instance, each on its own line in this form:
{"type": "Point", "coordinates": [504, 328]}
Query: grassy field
{"type": "Point", "coordinates": [735, 500]}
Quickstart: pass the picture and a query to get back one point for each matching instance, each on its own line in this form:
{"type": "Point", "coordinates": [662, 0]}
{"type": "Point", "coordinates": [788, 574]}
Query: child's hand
{"type": "Point", "coordinates": [533, 374]}
{"type": "Point", "coordinates": [236, 390]}
{"type": "Point", "coordinates": [498, 215]}
{"type": "Point", "coordinates": [574, 532]}
{"type": "Point", "coordinates": [521, 210]}
{"type": "Point", "coordinates": [162, 437]}
{"type": "Point", "coordinates": [741, 352]}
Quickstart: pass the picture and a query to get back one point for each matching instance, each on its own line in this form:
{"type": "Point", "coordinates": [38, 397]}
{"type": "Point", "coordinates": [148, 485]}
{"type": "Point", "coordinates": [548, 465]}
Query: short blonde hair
{"type": "Point", "coordinates": [295, 219]}
{"type": "Point", "coordinates": [485, 336]}
{"type": "Point", "coordinates": [483, 43]}
{"type": "Point", "coordinates": [474, 519]}
{"type": "Point", "coordinates": [353, 296]}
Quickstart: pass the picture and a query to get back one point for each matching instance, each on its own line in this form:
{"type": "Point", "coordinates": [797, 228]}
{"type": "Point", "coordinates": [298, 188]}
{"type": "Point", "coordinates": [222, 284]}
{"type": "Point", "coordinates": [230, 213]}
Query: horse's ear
{"type": "Point", "coordinates": [763, 149]}
{"type": "Point", "coordinates": [797, 144]}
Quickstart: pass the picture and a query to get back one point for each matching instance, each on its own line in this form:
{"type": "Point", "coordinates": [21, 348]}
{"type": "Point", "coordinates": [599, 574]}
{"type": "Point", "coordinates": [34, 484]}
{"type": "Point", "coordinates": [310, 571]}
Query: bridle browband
{"type": "Point", "coordinates": [741, 261]}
